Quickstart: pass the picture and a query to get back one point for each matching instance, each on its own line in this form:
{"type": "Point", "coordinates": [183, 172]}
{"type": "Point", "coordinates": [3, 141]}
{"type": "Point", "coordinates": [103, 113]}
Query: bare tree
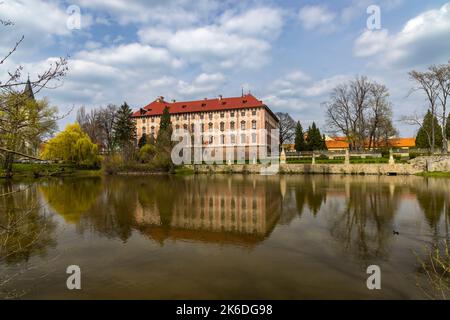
{"type": "Point", "coordinates": [427, 83]}
{"type": "Point", "coordinates": [17, 119]}
{"type": "Point", "coordinates": [107, 118]}
{"type": "Point", "coordinates": [287, 128]}
{"type": "Point", "coordinates": [442, 75]}
{"type": "Point", "coordinates": [360, 110]}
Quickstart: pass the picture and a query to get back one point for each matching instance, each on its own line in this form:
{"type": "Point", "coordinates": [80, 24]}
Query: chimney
{"type": "Point", "coordinates": [220, 97]}
{"type": "Point", "coordinates": [160, 99]}
{"type": "Point", "coordinates": [173, 100]}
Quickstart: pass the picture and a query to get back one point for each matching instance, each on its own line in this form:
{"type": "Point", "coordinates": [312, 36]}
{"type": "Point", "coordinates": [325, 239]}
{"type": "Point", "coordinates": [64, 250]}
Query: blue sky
{"type": "Point", "coordinates": [290, 54]}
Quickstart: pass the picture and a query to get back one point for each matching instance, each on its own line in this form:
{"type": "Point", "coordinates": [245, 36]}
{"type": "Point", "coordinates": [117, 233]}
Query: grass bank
{"type": "Point", "coordinates": [435, 174]}
{"type": "Point", "coordinates": [37, 170]}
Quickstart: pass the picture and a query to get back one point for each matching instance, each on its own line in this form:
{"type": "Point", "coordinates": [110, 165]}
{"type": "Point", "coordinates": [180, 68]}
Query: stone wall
{"type": "Point", "coordinates": [367, 169]}
{"type": "Point", "coordinates": [431, 164]}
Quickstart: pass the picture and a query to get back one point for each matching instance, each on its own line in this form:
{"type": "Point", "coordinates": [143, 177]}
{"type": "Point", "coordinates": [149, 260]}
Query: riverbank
{"type": "Point", "coordinates": [423, 166]}
{"type": "Point", "coordinates": [37, 170]}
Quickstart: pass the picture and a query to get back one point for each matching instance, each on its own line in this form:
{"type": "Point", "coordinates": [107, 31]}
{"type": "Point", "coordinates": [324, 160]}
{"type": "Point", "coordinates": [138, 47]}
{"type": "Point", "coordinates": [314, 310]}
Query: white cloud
{"type": "Point", "coordinates": [131, 55]}
{"type": "Point", "coordinates": [234, 40]}
{"type": "Point", "coordinates": [28, 16]}
{"type": "Point", "coordinates": [423, 40]}
{"type": "Point", "coordinates": [370, 43]}
{"type": "Point", "coordinates": [313, 17]}
{"type": "Point", "coordinates": [264, 21]}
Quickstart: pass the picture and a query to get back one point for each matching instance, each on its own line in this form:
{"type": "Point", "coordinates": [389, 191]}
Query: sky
{"type": "Point", "coordinates": [290, 54]}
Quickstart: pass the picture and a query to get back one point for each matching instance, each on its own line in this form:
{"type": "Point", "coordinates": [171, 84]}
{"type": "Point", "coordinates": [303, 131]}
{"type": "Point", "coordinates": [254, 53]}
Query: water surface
{"type": "Point", "coordinates": [220, 237]}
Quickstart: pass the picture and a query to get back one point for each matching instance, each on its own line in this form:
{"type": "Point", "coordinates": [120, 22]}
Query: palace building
{"type": "Point", "coordinates": [224, 122]}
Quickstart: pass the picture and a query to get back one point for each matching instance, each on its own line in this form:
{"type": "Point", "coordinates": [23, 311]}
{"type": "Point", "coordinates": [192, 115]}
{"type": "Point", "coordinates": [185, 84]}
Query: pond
{"type": "Point", "coordinates": [220, 237]}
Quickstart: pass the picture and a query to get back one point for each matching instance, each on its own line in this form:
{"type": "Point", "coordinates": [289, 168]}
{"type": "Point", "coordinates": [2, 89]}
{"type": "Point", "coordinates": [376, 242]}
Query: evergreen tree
{"type": "Point", "coordinates": [424, 137]}
{"type": "Point", "coordinates": [447, 127]}
{"type": "Point", "coordinates": [142, 140]}
{"type": "Point", "coordinates": [299, 138]}
{"type": "Point", "coordinates": [164, 143]}
{"type": "Point", "coordinates": [315, 140]}
{"type": "Point", "coordinates": [125, 131]}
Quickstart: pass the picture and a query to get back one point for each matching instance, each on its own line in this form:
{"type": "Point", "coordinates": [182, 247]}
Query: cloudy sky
{"type": "Point", "coordinates": [288, 53]}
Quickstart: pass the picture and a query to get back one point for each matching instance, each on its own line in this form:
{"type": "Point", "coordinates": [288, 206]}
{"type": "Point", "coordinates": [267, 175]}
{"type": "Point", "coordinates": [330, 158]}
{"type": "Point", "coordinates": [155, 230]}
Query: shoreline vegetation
{"type": "Point", "coordinates": [36, 171]}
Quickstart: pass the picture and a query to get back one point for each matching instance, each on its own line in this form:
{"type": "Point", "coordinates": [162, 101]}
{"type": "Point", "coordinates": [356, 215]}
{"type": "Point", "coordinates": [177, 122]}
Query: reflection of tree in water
{"type": "Point", "coordinates": [106, 208]}
{"type": "Point", "coordinates": [433, 203]}
{"type": "Point", "coordinates": [364, 225]}
{"type": "Point", "coordinates": [25, 231]}
{"type": "Point", "coordinates": [71, 198]}
{"type": "Point", "coordinates": [162, 192]}
{"type": "Point", "coordinates": [311, 192]}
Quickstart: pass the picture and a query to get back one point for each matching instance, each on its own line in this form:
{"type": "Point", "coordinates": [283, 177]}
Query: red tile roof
{"type": "Point", "coordinates": [156, 108]}
{"type": "Point", "coordinates": [337, 144]}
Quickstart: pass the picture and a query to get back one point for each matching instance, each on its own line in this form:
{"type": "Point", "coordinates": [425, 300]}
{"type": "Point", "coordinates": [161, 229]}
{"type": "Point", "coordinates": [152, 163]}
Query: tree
{"type": "Point", "coordinates": [24, 124]}
{"type": "Point", "coordinates": [314, 139]}
{"type": "Point", "coordinates": [360, 110]}
{"type": "Point", "coordinates": [442, 75]}
{"type": "Point", "coordinates": [107, 118]}
{"type": "Point", "coordinates": [425, 136]}
{"type": "Point", "coordinates": [164, 143]}
{"type": "Point", "coordinates": [287, 128]}
{"type": "Point", "coordinates": [447, 130]}
{"type": "Point", "coordinates": [125, 131]}
{"type": "Point", "coordinates": [72, 145]}
{"type": "Point", "coordinates": [13, 102]}
{"type": "Point", "coordinates": [427, 83]}
{"type": "Point", "coordinates": [89, 123]}
{"type": "Point", "coordinates": [299, 138]}
{"type": "Point", "coordinates": [142, 141]}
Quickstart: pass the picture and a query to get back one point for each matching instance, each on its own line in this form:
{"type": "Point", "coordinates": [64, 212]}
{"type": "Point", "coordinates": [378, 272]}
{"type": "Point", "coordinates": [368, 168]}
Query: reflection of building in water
{"type": "Point", "coordinates": [237, 212]}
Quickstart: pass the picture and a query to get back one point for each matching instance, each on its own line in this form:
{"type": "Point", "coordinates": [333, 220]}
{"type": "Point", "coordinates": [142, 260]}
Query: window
{"type": "Point", "coordinates": [222, 139]}
{"type": "Point", "coordinates": [233, 139]}
{"type": "Point", "coordinates": [222, 114]}
{"type": "Point", "coordinates": [143, 129]}
{"type": "Point", "coordinates": [243, 113]}
{"type": "Point", "coordinates": [254, 125]}
{"type": "Point", "coordinates": [210, 116]}
{"type": "Point", "coordinates": [185, 117]}
{"type": "Point", "coordinates": [222, 126]}
{"type": "Point", "coordinates": [243, 138]}
{"type": "Point", "coordinates": [177, 127]}
{"type": "Point", "coordinates": [152, 130]}
{"type": "Point", "coordinates": [253, 137]}
{"type": "Point", "coordinates": [232, 114]}
{"type": "Point", "coordinates": [210, 126]}
{"type": "Point", "coordinates": [211, 139]}
{"type": "Point", "coordinates": [203, 127]}
{"type": "Point", "coordinates": [232, 125]}
{"type": "Point", "coordinates": [254, 112]}
{"type": "Point", "coordinates": [185, 126]}
{"type": "Point", "coordinates": [143, 120]}
{"type": "Point", "coordinates": [202, 116]}
{"type": "Point", "coordinates": [192, 127]}
{"type": "Point", "coordinates": [242, 125]}
{"type": "Point", "coordinates": [178, 117]}
{"type": "Point", "coordinates": [153, 119]}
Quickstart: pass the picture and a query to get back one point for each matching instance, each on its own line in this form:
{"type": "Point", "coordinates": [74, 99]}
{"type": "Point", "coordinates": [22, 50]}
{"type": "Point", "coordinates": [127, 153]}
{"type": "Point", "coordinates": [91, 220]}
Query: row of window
{"type": "Point", "coordinates": [202, 116]}
{"type": "Point", "coordinates": [243, 138]}
{"type": "Point", "coordinates": [210, 126]}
